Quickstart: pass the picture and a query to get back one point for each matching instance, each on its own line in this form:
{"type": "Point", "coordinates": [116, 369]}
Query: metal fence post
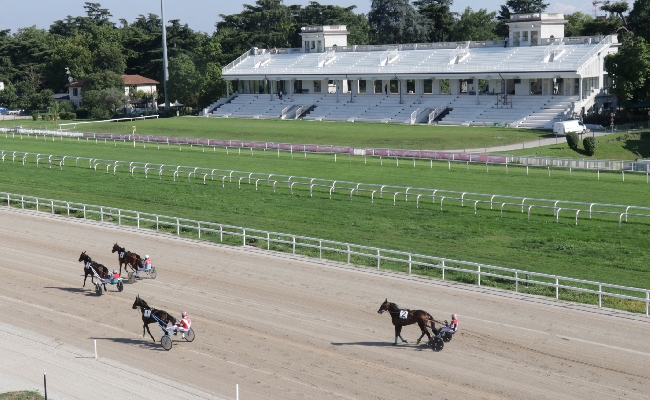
{"type": "Point", "coordinates": [52, 204]}
{"type": "Point", "coordinates": [557, 288]}
{"type": "Point", "coordinates": [178, 226]}
{"type": "Point", "coordinates": [119, 217]}
{"type": "Point", "coordinates": [137, 216]}
{"type": "Point", "coordinates": [479, 275]}
{"type": "Point", "coordinates": [647, 301]}
{"type": "Point", "coordinates": [156, 223]}
{"type": "Point", "coordinates": [84, 211]}
{"type": "Point", "coordinates": [67, 206]}
{"type": "Point", "coordinates": [516, 282]}
{"type": "Point", "coordinates": [443, 270]}
{"type": "Point", "coordinates": [293, 239]}
{"type": "Point", "coordinates": [410, 259]}
{"type": "Point", "coordinates": [244, 237]}
{"type": "Point", "coordinates": [320, 249]}
{"type": "Point", "coordinates": [199, 229]}
{"type": "Point", "coordinates": [600, 295]}
{"type": "Point", "coordinates": [37, 204]}
{"type": "Point", "coordinates": [221, 233]}
{"type": "Point", "coordinates": [378, 260]}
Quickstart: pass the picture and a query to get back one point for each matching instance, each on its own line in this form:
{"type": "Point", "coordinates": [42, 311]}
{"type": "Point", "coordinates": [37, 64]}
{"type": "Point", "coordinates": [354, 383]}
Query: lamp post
{"type": "Point", "coordinates": [164, 49]}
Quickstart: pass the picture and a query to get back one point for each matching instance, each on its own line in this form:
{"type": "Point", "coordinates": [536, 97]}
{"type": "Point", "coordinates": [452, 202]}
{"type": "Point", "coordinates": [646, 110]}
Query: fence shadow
{"type": "Point", "coordinates": [401, 346]}
{"type": "Point", "coordinates": [69, 289]}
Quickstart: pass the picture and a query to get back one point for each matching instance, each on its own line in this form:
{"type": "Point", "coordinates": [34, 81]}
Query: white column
{"type": "Point", "coordinates": [399, 87]}
{"type": "Point", "coordinates": [580, 89]}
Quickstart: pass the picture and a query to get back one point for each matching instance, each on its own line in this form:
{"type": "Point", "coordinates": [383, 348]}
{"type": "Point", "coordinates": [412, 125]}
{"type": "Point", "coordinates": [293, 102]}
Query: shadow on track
{"type": "Point", "coordinates": [136, 342]}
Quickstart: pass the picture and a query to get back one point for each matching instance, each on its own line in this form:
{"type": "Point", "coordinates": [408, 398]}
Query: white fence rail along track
{"type": "Point", "coordinates": [525, 204]}
{"type": "Point", "coordinates": [396, 154]}
{"type": "Point", "coordinates": [294, 242]}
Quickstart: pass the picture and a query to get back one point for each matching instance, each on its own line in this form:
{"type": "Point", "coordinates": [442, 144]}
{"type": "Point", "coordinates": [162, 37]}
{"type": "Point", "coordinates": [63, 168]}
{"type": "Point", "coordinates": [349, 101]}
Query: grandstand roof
{"type": "Point", "coordinates": [566, 56]}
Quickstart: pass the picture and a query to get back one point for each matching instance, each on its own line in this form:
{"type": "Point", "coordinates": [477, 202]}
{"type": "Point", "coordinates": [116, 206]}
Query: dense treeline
{"type": "Point", "coordinates": [33, 61]}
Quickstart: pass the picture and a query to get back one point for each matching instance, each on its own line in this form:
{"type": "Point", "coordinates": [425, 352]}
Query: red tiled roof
{"type": "Point", "coordinates": [133, 80]}
{"type": "Point", "coordinates": [129, 80]}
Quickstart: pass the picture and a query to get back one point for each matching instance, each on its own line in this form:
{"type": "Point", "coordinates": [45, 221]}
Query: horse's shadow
{"type": "Point", "coordinates": [67, 289]}
{"type": "Point", "coordinates": [148, 344]}
{"type": "Point", "coordinates": [382, 344]}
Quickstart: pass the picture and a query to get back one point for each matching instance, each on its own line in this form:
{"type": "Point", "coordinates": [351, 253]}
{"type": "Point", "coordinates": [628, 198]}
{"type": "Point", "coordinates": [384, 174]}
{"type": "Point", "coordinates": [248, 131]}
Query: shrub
{"type": "Point", "coordinates": [82, 113]}
{"type": "Point", "coordinates": [35, 117]}
{"type": "Point", "coordinates": [589, 144]}
{"type": "Point", "coordinates": [572, 140]}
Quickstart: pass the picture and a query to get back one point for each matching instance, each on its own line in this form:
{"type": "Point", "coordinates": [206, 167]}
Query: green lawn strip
{"type": "Point", "coordinates": [595, 249]}
{"type": "Point", "coordinates": [533, 182]}
{"type": "Point", "coordinates": [619, 146]}
{"type": "Point", "coordinates": [24, 395]}
{"type": "Point", "coordinates": [309, 132]}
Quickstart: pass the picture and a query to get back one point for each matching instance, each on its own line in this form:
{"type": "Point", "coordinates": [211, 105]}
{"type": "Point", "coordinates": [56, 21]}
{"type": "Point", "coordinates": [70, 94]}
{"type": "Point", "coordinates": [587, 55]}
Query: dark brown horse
{"type": "Point", "coordinates": [402, 318]}
{"type": "Point", "coordinates": [101, 270]}
{"type": "Point", "coordinates": [160, 315]}
{"type": "Point", "coordinates": [127, 258]}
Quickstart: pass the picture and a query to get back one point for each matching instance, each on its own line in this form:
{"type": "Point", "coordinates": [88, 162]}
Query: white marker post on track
{"type": "Point", "coordinates": [237, 391]}
{"type": "Point", "coordinates": [95, 348]}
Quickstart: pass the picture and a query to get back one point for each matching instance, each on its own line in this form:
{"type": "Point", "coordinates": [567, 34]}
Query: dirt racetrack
{"type": "Point", "coordinates": [287, 327]}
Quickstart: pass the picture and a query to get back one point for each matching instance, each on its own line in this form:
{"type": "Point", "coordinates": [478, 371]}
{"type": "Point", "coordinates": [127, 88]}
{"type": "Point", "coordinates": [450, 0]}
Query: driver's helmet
{"type": "Point", "coordinates": [146, 256]}
{"type": "Point", "coordinates": [453, 317]}
{"type": "Point", "coordinates": [115, 271]}
{"type": "Point", "coordinates": [184, 314]}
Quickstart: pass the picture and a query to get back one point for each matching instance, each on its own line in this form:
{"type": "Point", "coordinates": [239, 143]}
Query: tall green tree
{"type": "Point", "coordinates": [639, 19]}
{"type": "Point", "coordinates": [316, 14]}
{"type": "Point", "coordinates": [396, 22]}
{"type": "Point", "coordinates": [619, 8]}
{"type": "Point", "coordinates": [576, 23]}
{"type": "Point", "coordinates": [526, 6]}
{"type": "Point", "coordinates": [184, 80]}
{"type": "Point", "coordinates": [439, 16]}
{"type": "Point", "coordinates": [103, 94]}
{"type": "Point", "coordinates": [479, 25]}
{"type": "Point", "coordinates": [630, 69]}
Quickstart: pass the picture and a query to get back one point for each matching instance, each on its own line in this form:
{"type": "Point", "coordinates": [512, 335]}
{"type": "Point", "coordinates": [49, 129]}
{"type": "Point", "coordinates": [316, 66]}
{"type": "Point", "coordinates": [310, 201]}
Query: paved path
{"type": "Point", "coordinates": [548, 141]}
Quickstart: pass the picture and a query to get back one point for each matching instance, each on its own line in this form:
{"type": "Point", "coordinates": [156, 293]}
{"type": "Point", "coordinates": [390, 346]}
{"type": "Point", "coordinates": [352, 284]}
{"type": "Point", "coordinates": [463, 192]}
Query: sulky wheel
{"type": "Point", "coordinates": [120, 286]}
{"type": "Point", "coordinates": [166, 342]}
{"type": "Point", "coordinates": [98, 289]}
{"type": "Point", "coordinates": [189, 335]}
{"type": "Point", "coordinates": [131, 277]}
{"type": "Point", "coordinates": [153, 273]}
{"type": "Point", "coordinates": [436, 343]}
{"type": "Point", "coordinates": [446, 337]}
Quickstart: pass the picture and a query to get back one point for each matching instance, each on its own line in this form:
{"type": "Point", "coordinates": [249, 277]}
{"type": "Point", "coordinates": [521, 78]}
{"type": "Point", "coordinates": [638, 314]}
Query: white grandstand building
{"type": "Point", "coordinates": [532, 79]}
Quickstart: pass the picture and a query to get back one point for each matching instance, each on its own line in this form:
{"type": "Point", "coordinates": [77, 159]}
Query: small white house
{"type": "Point", "coordinates": [132, 83]}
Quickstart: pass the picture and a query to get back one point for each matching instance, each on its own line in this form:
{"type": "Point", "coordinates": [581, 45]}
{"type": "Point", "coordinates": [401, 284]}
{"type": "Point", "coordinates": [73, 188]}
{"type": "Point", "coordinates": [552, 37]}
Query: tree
{"type": "Point", "coordinates": [479, 25]}
{"type": "Point", "coordinates": [576, 23]}
{"type": "Point", "coordinates": [639, 19]}
{"type": "Point", "coordinates": [109, 57]}
{"type": "Point", "coordinates": [396, 21]}
{"type": "Point", "coordinates": [502, 29]}
{"type": "Point", "coordinates": [630, 70]}
{"type": "Point", "coordinates": [103, 94]}
{"type": "Point", "coordinates": [619, 8]}
{"type": "Point", "coordinates": [184, 81]}
{"type": "Point", "coordinates": [438, 14]}
{"type": "Point", "coordinates": [526, 6]}
{"type": "Point", "coordinates": [315, 14]}
{"type": "Point", "coordinates": [267, 24]}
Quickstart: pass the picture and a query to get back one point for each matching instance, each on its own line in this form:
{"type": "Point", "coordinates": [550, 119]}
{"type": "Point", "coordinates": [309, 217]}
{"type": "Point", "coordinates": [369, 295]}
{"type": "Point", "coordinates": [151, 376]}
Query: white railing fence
{"type": "Point", "coordinates": [311, 246]}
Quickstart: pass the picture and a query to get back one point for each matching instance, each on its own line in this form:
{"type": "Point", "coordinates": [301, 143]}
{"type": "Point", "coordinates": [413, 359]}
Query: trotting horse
{"type": "Point", "coordinates": [127, 258]}
{"type": "Point", "coordinates": [162, 315]}
{"type": "Point", "coordinates": [101, 270]}
{"type": "Point", "coordinates": [402, 318]}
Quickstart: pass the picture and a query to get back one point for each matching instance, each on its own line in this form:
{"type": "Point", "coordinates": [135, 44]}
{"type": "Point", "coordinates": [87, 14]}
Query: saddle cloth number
{"type": "Point", "coordinates": [87, 265]}
{"type": "Point", "coordinates": [403, 314]}
{"type": "Point", "coordinates": [147, 313]}
{"type": "Point", "coordinates": [121, 254]}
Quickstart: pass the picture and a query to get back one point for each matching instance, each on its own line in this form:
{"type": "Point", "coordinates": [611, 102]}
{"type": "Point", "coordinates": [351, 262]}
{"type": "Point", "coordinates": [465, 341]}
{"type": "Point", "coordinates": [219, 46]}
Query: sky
{"type": "Point", "coordinates": [200, 15]}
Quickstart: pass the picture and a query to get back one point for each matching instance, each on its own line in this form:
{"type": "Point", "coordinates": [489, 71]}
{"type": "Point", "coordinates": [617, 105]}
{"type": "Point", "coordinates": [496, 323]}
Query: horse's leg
{"type": "Point", "coordinates": [398, 330]}
{"type": "Point", "coordinates": [147, 326]}
{"type": "Point", "coordinates": [424, 330]}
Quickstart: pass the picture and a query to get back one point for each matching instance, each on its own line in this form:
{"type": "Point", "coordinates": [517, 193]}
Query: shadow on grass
{"type": "Point", "coordinates": [639, 147]}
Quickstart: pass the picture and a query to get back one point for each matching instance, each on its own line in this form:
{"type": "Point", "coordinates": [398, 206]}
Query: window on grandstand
{"type": "Point", "coordinates": [362, 86]}
{"type": "Point", "coordinates": [524, 36]}
{"type": "Point", "coordinates": [378, 88]}
{"type": "Point", "coordinates": [316, 86]}
{"type": "Point", "coordinates": [394, 86]}
{"type": "Point", "coordinates": [444, 86]}
{"type": "Point", "coordinates": [483, 86]}
{"type": "Point", "coordinates": [297, 86]}
{"type": "Point", "coordinates": [535, 86]}
{"type": "Point", "coordinates": [410, 86]}
{"type": "Point", "coordinates": [428, 86]}
{"type": "Point", "coordinates": [349, 88]}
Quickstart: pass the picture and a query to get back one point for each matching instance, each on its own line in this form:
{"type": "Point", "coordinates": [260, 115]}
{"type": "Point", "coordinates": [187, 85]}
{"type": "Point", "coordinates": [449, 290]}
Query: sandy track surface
{"type": "Point", "coordinates": [287, 327]}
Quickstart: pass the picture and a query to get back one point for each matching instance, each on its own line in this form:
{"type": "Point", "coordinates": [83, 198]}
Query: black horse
{"type": "Point", "coordinates": [402, 318]}
{"type": "Point", "coordinates": [160, 314]}
{"type": "Point", "coordinates": [101, 270]}
{"type": "Point", "coordinates": [127, 258]}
